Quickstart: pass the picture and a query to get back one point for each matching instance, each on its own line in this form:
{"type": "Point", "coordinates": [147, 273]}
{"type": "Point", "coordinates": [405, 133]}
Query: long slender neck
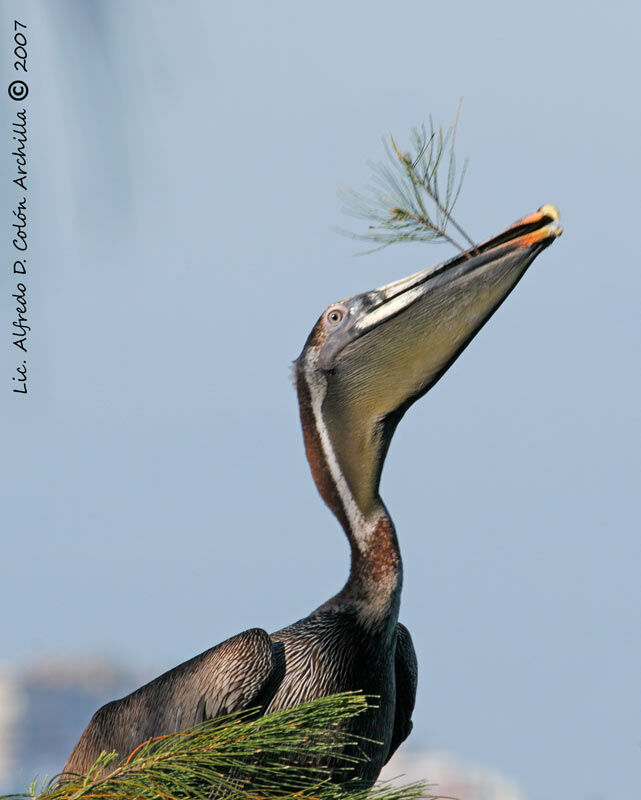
{"type": "Point", "coordinates": [374, 585]}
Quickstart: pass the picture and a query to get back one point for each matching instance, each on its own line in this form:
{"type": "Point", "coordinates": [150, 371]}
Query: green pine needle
{"type": "Point", "coordinates": [407, 199]}
{"type": "Point", "coordinates": [281, 756]}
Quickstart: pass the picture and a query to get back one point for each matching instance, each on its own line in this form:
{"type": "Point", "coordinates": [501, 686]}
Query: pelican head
{"type": "Point", "coordinates": [369, 357]}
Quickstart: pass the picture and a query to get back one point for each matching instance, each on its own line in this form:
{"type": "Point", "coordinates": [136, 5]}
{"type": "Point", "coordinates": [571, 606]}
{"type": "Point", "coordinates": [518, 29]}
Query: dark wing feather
{"type": "Point", "coordinates": [239, 673]}
{"type": "Point", "coordinates": [406, 679]}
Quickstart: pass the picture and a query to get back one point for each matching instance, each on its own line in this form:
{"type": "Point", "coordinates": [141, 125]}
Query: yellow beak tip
{"type": "Point", "coordinates": [550, 211]}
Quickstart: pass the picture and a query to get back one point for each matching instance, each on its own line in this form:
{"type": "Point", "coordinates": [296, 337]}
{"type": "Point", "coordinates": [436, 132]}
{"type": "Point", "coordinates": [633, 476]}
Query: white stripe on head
{"type": "Point", "coordinates": [362, 528]}
{"type": "Point", "coordinates": [389, 308]}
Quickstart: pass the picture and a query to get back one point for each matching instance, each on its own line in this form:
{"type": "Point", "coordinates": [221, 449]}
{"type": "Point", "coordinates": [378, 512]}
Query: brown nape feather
{"type": "Point", "coordinates": [315, 456]}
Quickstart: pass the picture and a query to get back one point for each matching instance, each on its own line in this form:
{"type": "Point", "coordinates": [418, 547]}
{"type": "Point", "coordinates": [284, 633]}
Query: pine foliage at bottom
{"type": "Point", "coordinates": [287, 754]}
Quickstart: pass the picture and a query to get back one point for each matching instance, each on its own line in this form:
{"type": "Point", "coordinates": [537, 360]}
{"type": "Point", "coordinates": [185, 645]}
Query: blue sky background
{"type": "Point", "coordinates": [184, 166]}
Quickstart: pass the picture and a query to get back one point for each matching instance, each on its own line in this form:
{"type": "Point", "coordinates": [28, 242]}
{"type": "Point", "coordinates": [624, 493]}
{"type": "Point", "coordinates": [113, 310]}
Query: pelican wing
{"type": "Point", "coordinates": [240, 673]}
{"type": "Point", "coordinates": [406, 679]}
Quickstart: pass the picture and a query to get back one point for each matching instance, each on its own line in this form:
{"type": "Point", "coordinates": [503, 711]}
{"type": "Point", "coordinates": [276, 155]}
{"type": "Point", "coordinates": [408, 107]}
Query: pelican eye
{"type": "Point", "coordinates": [335, 315]}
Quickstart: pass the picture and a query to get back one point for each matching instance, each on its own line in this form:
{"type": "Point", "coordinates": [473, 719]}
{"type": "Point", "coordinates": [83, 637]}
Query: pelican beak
{"type": "Point", "coordinates": [454, 298]}
{"type": "Point", "coordinates": [393, 344]}
{"type": "Point", "coordinates": [413, 329]}
{"type": "Point", "coordinates": [519, 244]}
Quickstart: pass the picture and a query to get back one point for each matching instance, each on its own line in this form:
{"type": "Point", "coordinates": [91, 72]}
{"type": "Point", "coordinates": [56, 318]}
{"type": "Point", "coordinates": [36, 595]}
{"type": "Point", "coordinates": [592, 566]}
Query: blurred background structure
{"type": "Point", "coordinates": [42, 707]}
{"type": "Point", "coordinates": [183, 167]}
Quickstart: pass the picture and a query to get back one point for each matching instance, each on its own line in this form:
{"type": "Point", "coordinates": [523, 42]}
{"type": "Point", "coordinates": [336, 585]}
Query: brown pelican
{"type": "Point", "coordinates": [367, 359]}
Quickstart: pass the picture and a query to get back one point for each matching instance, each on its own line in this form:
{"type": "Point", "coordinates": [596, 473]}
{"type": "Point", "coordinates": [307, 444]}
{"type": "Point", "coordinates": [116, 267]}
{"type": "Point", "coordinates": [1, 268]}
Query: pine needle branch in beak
{"type": "Point", "coordinates": [408, 199]}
